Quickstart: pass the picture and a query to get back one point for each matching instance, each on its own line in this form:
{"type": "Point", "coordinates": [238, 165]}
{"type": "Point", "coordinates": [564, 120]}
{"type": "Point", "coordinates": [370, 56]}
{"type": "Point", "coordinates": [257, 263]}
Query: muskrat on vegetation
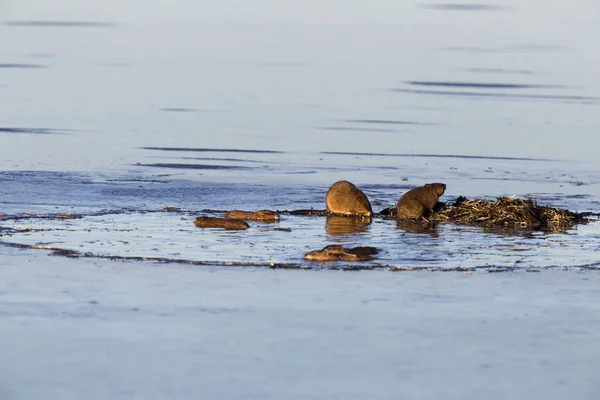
{"type": "Point", "coordinates": [419, 202]}
{"type": "Point", "coordinates": [223, 223]}
{"type": "Point", "coordinates": [344, 198]}
{"type": "Point", "coordinates": [261, 215]}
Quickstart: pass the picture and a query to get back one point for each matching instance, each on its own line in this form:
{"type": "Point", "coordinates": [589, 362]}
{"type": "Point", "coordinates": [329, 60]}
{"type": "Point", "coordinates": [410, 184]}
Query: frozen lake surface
{"type": "Point", "coordinates": [114, 330]}
{"type": "Point", "coordinates": [112, 112]}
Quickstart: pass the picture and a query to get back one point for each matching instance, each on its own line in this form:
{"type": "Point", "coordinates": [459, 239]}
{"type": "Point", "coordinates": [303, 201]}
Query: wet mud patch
{"type": "Point", "coordinates": [169, 235]}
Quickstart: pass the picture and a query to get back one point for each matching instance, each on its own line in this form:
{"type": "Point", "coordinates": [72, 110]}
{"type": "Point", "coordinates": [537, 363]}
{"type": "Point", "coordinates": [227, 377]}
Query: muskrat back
{"type": "Point", "coordinates": [346, 199]}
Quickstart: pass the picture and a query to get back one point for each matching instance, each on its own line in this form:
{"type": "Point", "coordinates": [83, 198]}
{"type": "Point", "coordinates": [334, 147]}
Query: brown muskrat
{"type": "Point", "coordinates": [261, 215]}
{"type": "Point", "coordinates": [344, 198]}
{"type": "Point", "coordinates": [224, 223]}
{"type": "Point", "coordinates": [419, 202]}
{"type": "Point", "coordinates": [337, 252]}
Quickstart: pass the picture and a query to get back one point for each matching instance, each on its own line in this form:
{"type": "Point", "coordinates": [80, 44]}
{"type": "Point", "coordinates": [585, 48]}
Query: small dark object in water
{"type": "Point", "coordinates": [419, 202]}
{"type": "Point", "coordinates": [388, 212]}
{"type": "Point", "coordinates": [337, 252]}
{"type": "Point", "coordinates": [224, 223]}
{"type": "Point", "coordinates": [346, 199]}
{"type": "Point", "coordinates": [311, 212]}
{"type": "Point", "coordinates": [261, 215]}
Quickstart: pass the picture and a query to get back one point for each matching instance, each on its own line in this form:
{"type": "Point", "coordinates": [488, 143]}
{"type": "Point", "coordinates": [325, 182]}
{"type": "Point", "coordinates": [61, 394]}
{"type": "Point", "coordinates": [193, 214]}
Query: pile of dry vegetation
{"type": "Point", "coordinates": [507, 212]}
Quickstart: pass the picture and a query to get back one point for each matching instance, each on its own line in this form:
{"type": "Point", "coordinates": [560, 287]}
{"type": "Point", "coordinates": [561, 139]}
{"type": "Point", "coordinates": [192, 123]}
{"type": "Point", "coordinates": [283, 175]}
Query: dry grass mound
{"type": "Point", "coordinates": [507, 212]}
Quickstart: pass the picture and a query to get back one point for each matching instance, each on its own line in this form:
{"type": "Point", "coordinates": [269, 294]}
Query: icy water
{"type": "Point", "coordinates": [111, 113]}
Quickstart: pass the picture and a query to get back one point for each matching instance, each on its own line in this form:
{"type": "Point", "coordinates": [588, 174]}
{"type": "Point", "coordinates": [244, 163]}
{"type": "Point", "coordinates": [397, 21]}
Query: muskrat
{"type": "Point", "coordinates": [224, 223]}
{"type": "Point", "coordinates": [419, 202]}
{"type": "Point", "coordinates": [346, 199]}
{"type": "Point", "coordinates": [261, 215]}
{"type": "Point", "coordinates": [337, 252]}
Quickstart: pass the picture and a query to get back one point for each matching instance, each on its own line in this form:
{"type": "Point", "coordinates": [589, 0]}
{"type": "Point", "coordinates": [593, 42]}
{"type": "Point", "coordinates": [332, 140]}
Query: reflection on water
{"type": "Point", "coordinates": [418, 227]}
{"type": "Point", "coordinates": [336, 225]}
